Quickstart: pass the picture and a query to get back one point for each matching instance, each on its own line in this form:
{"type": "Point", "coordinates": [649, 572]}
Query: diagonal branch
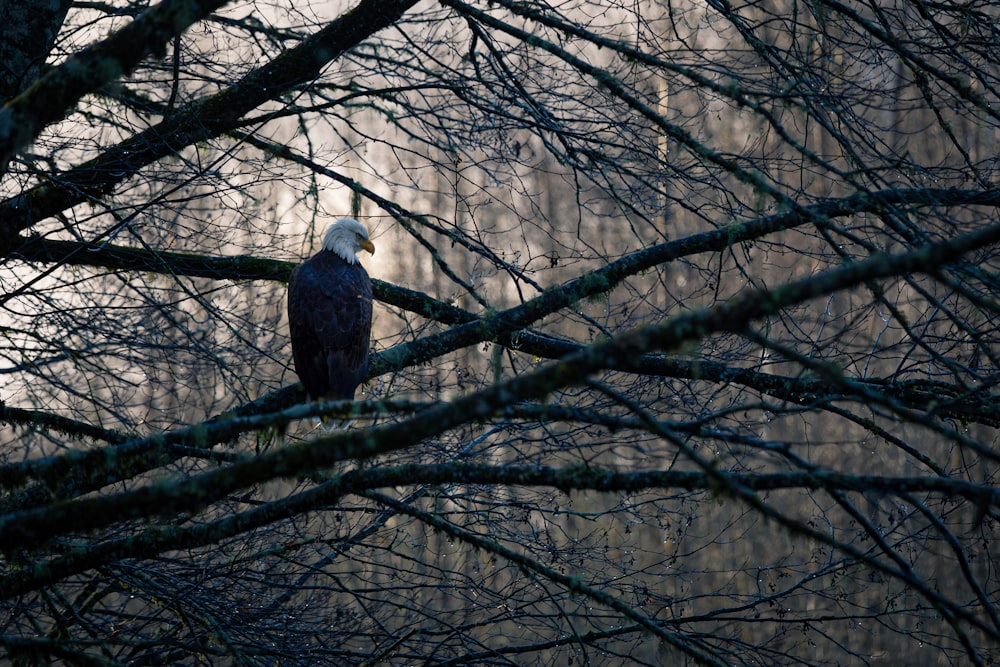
{"type": "Point", "coordinates": [506, 327]}
{"type": "Point", "coordinates": [156, 539]}
{"type": "Point", "coordinates": [496, 326]}
{"type": "Point", "coordinates": [52, 96]}
{"type": "Point", "coordinates": [199, 121]}
{"type": "Point", "coordinates": [34, 527]}
{"type": "Point", "coordinates": [500, 327]}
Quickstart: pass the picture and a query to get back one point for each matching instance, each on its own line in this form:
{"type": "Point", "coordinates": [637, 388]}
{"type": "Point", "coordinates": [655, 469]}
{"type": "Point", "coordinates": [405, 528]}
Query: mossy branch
{"type": "Point", "coordinates": [34, 527]}
{"type": "Point", "coordinates": [158, 538]}
{"type": "Point", "coordinates": [501, 326]}
{"type": "Point", "coordinates": [65, 476]}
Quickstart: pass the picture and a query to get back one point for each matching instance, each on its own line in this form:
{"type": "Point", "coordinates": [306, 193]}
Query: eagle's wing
{"type": "Point", "coordinates": [329, 319]}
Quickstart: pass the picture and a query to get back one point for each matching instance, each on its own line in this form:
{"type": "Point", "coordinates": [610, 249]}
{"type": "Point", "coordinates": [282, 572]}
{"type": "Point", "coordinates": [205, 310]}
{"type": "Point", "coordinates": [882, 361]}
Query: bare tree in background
{"type": "Point", "coordinates": [686, 335]}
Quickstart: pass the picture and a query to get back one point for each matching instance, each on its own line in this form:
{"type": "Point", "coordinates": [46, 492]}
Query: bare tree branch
{"type": "Point", "coordinates": [54, 94]}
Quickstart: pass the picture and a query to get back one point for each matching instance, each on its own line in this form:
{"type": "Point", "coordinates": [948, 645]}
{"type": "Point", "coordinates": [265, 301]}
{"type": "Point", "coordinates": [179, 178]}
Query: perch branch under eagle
{"type": "Point", "coordinates": [330, 313]}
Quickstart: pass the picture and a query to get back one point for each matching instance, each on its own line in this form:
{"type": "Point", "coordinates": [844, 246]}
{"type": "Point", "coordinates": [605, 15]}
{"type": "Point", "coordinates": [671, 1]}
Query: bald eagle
{"type": "Point", "coordinates": [330, 313]}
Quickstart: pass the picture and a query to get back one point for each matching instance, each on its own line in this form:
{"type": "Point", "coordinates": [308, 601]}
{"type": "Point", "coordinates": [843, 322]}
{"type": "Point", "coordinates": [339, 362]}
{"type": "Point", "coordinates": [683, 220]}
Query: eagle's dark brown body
{"type": "Point", "coordinates": [330, 321]}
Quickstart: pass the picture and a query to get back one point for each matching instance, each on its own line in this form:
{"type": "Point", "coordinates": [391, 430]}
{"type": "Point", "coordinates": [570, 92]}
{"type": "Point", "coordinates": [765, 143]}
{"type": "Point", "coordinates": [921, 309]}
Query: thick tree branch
{"type": "Point", "coordinates": [236, 269]}
{"type": "Point", "coordinates": [73, 474]}
{"type": "Point", "coordinates": [156, 539]}
{"type": "Point", "coordinates": [52, 96]}
{"type": "Point", "coordinates": [30, 28]}
{"type": "Point", "coordinates": [52, 422]}
{"type": "Point", "coordinates": [499, 327]}
{"type": "Point", "coordinates": [496, 326]}
{"type": "Point", "coordinates": [34, 527]}
{"type": "Point", "coordinates": [199, 121]}
{"type": "Point", "coordinates": [58, 476]}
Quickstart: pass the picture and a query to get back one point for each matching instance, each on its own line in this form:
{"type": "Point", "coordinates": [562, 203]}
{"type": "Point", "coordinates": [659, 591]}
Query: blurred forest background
{"type": "Point", "coordinates": [685, 341]}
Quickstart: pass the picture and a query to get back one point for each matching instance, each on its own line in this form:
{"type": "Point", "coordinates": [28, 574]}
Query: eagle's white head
{"type": "Point", "coordinates": [347, 237]}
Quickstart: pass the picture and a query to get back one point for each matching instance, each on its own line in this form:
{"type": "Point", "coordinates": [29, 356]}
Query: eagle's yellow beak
{"type": "Point", "coordinates": [367, 245]}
